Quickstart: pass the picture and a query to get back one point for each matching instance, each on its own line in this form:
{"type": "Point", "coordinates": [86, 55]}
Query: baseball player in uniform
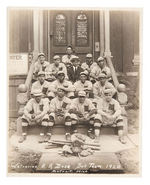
{"type": "Point", "coordinates": [61, 82]}
{"type": "Point", "coordinates": [66, 59]}
{"type": "Point", "coordinates": [56, 66]}
{"type": "Point", "coordinates": [36, 113]}
{"type": "Point", "coordinates": [41, 84]}
{"type": "Point", "coordinates": [101, 67]}
{"type": "Point", "coordinates": [88, 64]}
{"type": "Point", "coordinates": [83, 111]}
{"type": "Point", "coordinates": [59, 108]}
{"type": "Point", "coordinates": [109, 113]}
{"type": "Point", "coordinates": [49, 76]}
{"type": "Point", "coordinates": [101, 85]}
{"type": "Point", "coordinates": [40, 65]}
{"type": "Point", "coordinates": [83, 84]}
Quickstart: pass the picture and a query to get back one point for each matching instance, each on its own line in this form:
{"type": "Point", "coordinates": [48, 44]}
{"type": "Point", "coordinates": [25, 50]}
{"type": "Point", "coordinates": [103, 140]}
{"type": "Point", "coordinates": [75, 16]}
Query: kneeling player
{"type": "Point", "coordinates": [35, 113]}
{"type": "Point", "coordinates": [83, 111]}
{"type": "Point", "coordinates": [59, 108]}
{"type": "Point", "coordinates": [109, 113]}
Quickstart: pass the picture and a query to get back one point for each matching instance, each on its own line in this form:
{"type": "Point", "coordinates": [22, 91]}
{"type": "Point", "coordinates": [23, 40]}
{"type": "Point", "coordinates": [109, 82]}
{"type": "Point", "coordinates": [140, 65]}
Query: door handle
{"type": "Point", "coordinates": [51, 34]}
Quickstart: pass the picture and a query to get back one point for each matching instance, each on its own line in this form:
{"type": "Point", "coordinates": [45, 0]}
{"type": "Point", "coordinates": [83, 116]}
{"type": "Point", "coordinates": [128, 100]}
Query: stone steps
{"type": "Point", "coordinates": [60, 129]}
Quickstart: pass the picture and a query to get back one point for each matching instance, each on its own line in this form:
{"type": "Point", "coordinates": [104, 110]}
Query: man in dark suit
{"type": "Point", "coordinates": [74, 70]}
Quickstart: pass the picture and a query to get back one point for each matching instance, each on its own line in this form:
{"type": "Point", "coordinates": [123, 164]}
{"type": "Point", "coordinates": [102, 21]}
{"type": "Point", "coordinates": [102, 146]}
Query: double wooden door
{"type": "Point", "coordinates": [70, 28]}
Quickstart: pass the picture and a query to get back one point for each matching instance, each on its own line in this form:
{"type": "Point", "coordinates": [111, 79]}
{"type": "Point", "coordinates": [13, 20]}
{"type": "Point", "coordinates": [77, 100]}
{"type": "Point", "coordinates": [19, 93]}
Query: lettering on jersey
{"type": "Point", "coordinates": [41, 107]}
{"type": "Point", "coordinates": [64, 105]}
{"type": "Point", "coordinates": [86, 108]}
{"type": "Point", "coordinates": [111, 107]}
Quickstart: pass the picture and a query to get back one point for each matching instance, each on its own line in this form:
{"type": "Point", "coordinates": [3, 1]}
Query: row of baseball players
{"type": "Point", "coordinates": [72, 104]}
{"type": "Point", "coordinates": [71, 66]}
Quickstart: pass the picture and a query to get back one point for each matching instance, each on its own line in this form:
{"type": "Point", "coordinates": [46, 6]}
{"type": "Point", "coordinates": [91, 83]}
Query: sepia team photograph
{"type": "Point", "coordinates": [74, 91]}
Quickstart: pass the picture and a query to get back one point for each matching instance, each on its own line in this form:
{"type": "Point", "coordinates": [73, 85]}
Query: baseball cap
{"type": "Point", "coordinates": [107, 91]}
{"type": "Point", "coordinates": [36, 92]}
{"type": "Point", "coordinates": [102, 75]}
{"type": "Point", "coordinates": [41, 73]}
{"type": "Point", "coordinates": [81, 93]}
{"type": "Point", "coordinates": [56, 57]}
{"type": "Point", "coordinates": [84, 73]}
{"type": "Point", "coordinates": [75, 58]}
{"type": "Point", "coordinates": [41, 54]}
{"type": "Point", "coordinates": [60, 72]}
{"type": "Point", "coordinates": [89, 55]}
{"type": "Point", "coordinates": [100, 59]}
{"type": "Point", "coordinates": [61, 88]}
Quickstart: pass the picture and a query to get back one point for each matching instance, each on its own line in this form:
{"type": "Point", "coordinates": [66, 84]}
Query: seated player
{"type": "Point", "coordinates": [49, 76]}
{"type": "Point", "coordinates": [88, 64]}
{"type": "Point", "coordinates": [83, 84]}
{"type": "Point", "coordinates": [83, 111]}
{"type": "Point", "coordinates": [101, 67]}
{"type": "Point", "coordinates": [59, 108]}
{"type": "Point", "coordinates": [56, 66]}
{"type": "Point", "coordinates": [41, 84]}
{"type": "Point", "coordinates": [74, 70]}
{"type": "Point", "coordinates": [61, 82]}
{"type": "Point", "coordinates": [40, 65]}
{"type": "Point", "coordinates": [50, 79]}
{"type": "Point", "coordinates": [36, 113]}
{"type": "Point", "coordinates": [66, 59]}
{"type": "Point", "coordinates": [101, 85]}
{"type": "Point", "coordinates": [109, 114]}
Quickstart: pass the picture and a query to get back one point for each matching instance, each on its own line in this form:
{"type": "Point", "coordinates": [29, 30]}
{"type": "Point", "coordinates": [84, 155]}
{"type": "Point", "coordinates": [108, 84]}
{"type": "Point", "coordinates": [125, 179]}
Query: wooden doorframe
{"type": "Point", "coordinates": [72, 18]}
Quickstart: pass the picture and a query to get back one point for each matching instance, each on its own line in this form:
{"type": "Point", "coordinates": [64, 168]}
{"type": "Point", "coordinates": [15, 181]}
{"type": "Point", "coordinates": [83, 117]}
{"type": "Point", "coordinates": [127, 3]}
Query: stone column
{"type": "Point", "coordinates": [93, 38]}
{"type": "Point", "coordinates": [136, 28]}
{"type": "Point", "coordinates": [41, 30]}
{"type": "Point", "coordinates": [107, 33]}
{"type": "Point", "coordinates": [38, 42]}
{"type": "Point", "coordinates": [36, 30]}
{"type": "Point", "coordinates": [49, 34]}
{"type": "Point", "coordinates": [101, 23]}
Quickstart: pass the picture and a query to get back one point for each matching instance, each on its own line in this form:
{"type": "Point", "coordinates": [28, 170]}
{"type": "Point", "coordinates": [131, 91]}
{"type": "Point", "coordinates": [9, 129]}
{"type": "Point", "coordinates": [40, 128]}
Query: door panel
{"type": "Point", "coordinates": [82, 31]}
{"type": "Point", "coordinates": [59, 29]}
